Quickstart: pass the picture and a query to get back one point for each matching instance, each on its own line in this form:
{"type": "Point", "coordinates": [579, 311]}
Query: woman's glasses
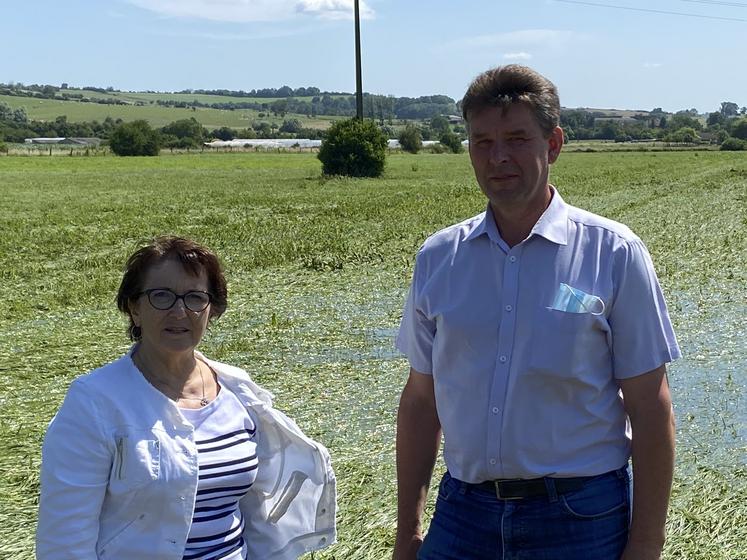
{"type": "Point", "coordinates": [163, 299]}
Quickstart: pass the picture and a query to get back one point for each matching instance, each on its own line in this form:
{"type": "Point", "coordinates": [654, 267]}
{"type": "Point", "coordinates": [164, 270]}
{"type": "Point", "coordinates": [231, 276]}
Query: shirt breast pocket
{"type": "Point", "coordinates": [568, 344]}
{"type": "Point", "coordinates": [137, 461]}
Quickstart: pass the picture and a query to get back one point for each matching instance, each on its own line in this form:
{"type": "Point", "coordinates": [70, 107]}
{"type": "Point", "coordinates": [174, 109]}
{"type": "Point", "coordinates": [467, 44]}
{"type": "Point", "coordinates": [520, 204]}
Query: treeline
{"type": "Point", "coordinates": [682, 127]}
{"type": "Point", "coordinates": [284, 91]}
{"type": "Point", "coordinates": [374, 106]}
{"type": "Point", "coordinates": [290, 101]}
{"type": "Point", "coordinates": [54, 93]}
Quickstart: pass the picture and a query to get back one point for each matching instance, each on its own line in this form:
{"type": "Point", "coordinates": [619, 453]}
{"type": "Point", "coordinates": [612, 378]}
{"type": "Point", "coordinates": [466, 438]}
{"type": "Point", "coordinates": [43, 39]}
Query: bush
{"type": "Point", "coordinates": [686, 135]}
{"type": "Point", "coordinates": [733, 145]}
{"type": "Point", "coordinates": [174, 142]}
{"type": "Point", "coordinates": [135, 138]}
{"type": "Point", "coordinates": [452, 142]}
{"type": "Point", "coordinates": [3, 147]}
{"type": "Point", "coordinates": [292, 126]}
{"type": "Point", "coordinates": [353, 147]}
{"type": "Point", "coordinates": [410, 139]}
{"type": "Point", "coordinates": [224, 133]}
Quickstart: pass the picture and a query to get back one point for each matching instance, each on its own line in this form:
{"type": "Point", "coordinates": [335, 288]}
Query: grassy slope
{"type": "Point", "coordinates": [49, 109]}
{"type": "Point", "coordinates": [317, 275]}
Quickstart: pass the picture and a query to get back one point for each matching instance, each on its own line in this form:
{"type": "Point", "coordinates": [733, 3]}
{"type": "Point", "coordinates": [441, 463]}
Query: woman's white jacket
{"type": "Point", "coordinates": [119, 474]}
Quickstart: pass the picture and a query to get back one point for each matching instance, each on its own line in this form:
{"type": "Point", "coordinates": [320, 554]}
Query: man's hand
{"type": "Point", "coordinates": [418, 440]}
{"type": "Point", "coordinates": [641, 551]}
{"type": "Point", "coordinates": [406, 547]}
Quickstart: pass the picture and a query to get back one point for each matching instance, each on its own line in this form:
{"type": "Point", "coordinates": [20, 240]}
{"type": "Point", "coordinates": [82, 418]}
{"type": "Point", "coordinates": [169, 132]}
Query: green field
{"type": "Point", "coordinates": [138, 96]}
{"type": "Point", "coordinates": [156, 115]}
{"type": "Point", "coordinates": [318, 271]}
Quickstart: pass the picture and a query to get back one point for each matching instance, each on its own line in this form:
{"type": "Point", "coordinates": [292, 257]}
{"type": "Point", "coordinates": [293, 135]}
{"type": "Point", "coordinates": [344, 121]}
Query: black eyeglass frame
{"type": "Point", "coordinates": [176, 298]}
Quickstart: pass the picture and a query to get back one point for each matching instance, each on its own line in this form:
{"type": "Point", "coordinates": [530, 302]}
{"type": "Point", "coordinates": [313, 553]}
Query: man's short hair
{"type": "Point", "coordinates": [504, 85]}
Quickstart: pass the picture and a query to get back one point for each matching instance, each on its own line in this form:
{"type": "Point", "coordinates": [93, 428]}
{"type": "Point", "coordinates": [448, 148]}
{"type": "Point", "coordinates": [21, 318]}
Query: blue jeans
{"type": "Point", "coordinates": [588, 524]}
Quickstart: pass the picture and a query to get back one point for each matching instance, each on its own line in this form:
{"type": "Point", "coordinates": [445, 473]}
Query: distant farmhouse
{"type": "Point", "coordinates": [65, 141]}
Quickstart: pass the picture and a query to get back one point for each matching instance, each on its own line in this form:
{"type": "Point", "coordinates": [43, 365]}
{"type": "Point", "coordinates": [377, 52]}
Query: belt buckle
{"type": "Point", "coordinates": [497, 484]}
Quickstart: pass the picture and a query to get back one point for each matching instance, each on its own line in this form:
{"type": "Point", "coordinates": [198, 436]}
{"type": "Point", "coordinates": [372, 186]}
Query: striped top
{"type": "Point", "coordinates": [227, 458]}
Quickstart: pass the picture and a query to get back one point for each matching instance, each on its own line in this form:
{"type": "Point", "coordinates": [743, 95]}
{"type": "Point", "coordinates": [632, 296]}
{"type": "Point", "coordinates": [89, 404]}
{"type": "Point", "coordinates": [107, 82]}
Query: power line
{"type": "Point", "coordinates": [717, 3]}
{"type": "Point", "coordinates": [666, 12]}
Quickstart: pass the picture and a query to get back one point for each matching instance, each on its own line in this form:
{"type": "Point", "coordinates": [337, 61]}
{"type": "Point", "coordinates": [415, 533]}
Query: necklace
{"type": "Point", "coordinates": [153, 378]}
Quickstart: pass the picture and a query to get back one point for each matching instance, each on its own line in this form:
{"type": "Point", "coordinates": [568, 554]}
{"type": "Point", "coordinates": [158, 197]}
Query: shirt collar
{"type": "Point", "coordinates": [484, 224]}
{"type": "Point", "coordinates": [552, 224]}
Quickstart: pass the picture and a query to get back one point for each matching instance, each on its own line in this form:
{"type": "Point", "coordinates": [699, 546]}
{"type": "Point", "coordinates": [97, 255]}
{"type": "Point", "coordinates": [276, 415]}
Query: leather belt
{"type": "Point", "coordinates": [517, 489]}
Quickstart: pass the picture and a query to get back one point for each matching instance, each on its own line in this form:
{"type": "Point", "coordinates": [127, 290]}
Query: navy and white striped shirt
{"type": "Point", "coordinates": [227, 458]}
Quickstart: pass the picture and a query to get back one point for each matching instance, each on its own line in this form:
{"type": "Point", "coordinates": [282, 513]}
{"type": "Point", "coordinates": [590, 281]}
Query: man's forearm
{"type": "Point", "coordinates": [653, 466]}
{"type": "Point", "coordinates": [418, 440]}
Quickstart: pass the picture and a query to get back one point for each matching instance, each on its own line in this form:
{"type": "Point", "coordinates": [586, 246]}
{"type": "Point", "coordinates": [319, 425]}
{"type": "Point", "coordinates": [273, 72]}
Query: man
{"type": "Point", "coordinates": [538, 338]}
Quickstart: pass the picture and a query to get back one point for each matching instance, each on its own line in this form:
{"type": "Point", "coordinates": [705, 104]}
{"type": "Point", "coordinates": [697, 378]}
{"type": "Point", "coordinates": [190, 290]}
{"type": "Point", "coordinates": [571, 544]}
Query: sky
{"type": "Point", "coordinates": [621, 54]}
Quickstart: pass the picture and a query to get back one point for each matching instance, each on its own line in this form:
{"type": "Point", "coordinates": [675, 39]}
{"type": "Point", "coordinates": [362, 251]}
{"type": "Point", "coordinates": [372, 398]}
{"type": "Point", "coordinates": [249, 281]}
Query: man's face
{"type": "Point", "coordinates": [511, 156]}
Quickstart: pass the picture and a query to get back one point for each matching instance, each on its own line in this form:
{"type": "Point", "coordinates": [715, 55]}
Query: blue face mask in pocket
{"type": "Point", "coordinates": [573, 300]}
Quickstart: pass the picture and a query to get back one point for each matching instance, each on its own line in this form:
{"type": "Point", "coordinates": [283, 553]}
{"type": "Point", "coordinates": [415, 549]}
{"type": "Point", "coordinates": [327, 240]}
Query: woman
{"type": "Point", "coordinates": [165, 454]}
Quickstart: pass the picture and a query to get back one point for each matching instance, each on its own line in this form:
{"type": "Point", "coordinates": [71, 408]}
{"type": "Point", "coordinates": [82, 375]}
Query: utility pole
{"type": "Point", "coordinates": [358, 78]}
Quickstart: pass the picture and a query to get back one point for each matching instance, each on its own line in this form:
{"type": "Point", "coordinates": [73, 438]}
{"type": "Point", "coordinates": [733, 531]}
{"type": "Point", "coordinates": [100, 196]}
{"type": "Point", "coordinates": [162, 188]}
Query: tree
{"type": "Point", "coordinates": [729, 109]}
{"type": "Point", "coordinates": [609, 130]}
{"type": "Point", "coordinates": [20, 116]}
{"type": "Point", "coordinates": [189, 129]}
{"type": "Point", "coordinates": [683, 119]}
{"type": "Point", "coordinates": [739, 129]}
{"type": "Point", "coordinates": [410, 139]}
{"type": "Point", "coordinates": [263, 129]}
{"type": "Point", "coordinates": [685, 134]}
{"type": "Point", "coordinates": [439, 125]}
{"type": "Point", "coordinates": [451, 141]}
{"type": "Point", "coordinates": [246, 134]}
{"type": "Point", "coordinates": [135, 138]}
{"type": "Point", "coordinates": [715, 118]}
{"type": "Point", "coordinates": [291, 126]}
{"type": "Point", "coordinates": [353, 147]}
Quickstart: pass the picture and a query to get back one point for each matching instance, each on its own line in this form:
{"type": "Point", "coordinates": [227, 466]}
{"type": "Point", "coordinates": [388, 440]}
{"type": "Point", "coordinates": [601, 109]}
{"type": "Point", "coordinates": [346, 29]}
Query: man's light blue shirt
{"type": "Point", "coordinates": [525, 369]}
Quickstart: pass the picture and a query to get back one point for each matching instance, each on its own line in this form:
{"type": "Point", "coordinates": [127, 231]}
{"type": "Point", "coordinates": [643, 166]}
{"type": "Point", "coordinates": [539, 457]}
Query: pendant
{"type": "Point", "coordinates": [204, 401]}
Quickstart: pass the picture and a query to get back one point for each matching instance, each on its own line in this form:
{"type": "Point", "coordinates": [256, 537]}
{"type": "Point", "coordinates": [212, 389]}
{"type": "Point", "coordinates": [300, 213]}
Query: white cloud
{"type": "Point", "coordinates": [652, 65]}
{"type": "Point", "coordinates": [517, 56]}
{"type": "Point", "coordinates": [332, 9]}
{"type": "Point", "coordinates": [239, 11]}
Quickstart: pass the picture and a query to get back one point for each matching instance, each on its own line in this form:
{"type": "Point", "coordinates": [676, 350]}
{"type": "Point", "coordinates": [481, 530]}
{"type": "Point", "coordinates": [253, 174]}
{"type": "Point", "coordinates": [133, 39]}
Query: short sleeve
{"type": "Point", "coordinates": [76, 461]}
{"type": "Point", "coordinates": [642, 334]}
{"type": "Point", "coordinates": [416, 330]}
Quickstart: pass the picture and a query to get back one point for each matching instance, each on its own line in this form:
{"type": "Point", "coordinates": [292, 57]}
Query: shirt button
{"type": "Point", "coordinates": [503, 359]}
{"type": "Point", "coordinates": [493, 461]}
{"type": "Point", "coordinates": [509, 308]}
{"type": "Point", "coordinates": [496, 410]}
{"type": "Point", "coordinates": [512, 259]}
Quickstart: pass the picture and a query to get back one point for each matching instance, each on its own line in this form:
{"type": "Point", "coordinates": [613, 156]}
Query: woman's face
{"type": "Point", "coordinates": [174, 330]}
